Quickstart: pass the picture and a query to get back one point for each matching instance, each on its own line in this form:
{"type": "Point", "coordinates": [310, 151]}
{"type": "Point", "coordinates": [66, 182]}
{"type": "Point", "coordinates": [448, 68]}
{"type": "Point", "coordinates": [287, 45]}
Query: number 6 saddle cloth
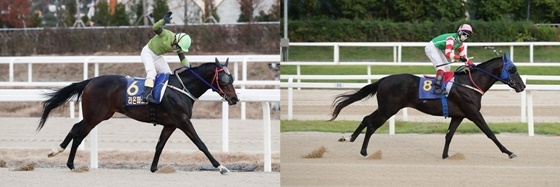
{"type": "Point", "coordinates": [427, 83]}
{"type": "Point", "coordinates": [135, 87]}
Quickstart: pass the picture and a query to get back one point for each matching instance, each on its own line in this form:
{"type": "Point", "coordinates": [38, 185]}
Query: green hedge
{"type": "Point", "coordinates": [344, 30]}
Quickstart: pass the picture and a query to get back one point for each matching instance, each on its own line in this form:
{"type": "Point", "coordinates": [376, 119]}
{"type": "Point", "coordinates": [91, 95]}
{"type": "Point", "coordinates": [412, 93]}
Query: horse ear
{"type": "Point", "coordinates": [227, 61]}
{"type": "Point", "coordinates": [218, 63]}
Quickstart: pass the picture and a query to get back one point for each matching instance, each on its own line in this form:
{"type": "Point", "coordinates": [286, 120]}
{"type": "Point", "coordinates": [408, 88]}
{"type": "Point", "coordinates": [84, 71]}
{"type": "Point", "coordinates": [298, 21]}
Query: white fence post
{"type": "Point", "coordinates": [530, 124]}
{"type": "Point", "coordinates": [225, 127]}
{"type": "Point", "coordinates": [267, 137]}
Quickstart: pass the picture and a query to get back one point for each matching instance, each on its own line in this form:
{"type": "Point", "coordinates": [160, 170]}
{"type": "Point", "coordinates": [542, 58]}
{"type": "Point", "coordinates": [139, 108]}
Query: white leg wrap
{"type": "Point", "coordinates": [223, 170]}
{"type": "Point", "coordinates": [55, 151]}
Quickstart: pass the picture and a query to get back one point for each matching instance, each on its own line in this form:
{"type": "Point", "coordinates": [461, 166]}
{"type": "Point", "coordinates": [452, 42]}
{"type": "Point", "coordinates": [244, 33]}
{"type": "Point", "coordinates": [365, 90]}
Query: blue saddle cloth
{"type": "Point", "coordinates": [426, 91]}
{"type": "Point", "coordinates": [135, 88]}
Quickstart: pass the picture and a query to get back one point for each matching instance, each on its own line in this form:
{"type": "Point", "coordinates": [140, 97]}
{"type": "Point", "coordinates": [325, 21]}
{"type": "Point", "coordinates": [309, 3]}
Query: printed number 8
{"type": "Point", "coordinates": [427, 85]}
{"type": "Point", "coordinates": [133, 88]}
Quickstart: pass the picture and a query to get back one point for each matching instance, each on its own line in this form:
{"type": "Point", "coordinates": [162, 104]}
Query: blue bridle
{"type": "Point", "coordinates": [508, 70]}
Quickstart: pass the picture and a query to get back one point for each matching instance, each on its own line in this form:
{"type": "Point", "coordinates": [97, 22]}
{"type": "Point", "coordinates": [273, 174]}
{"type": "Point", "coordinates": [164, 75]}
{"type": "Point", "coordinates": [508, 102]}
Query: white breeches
{"type": "Point", "coordinates": [437, 57]}
{"type": "Point", "coordinates": [153, 63]}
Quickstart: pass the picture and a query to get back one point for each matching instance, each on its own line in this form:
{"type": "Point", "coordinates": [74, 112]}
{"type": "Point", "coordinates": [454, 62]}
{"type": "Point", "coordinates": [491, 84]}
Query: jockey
{"type": "Point", "coordinates": [165, 41]}
{"type": "Point", "coordinates": [442, 47]}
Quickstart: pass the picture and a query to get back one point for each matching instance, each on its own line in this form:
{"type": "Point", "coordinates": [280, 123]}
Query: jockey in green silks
{"type": "Point", "coordinates": [165, 41]}
{"type": "Point", "coordinates": [442, 47]}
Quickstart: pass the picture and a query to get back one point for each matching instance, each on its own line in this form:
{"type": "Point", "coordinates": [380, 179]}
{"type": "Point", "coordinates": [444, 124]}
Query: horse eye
{"type": "Point", "coordinates": [512, 70]}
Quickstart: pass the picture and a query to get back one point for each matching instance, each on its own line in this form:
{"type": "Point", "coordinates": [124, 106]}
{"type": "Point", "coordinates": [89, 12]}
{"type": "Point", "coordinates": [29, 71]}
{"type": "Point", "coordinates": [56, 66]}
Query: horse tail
{"type": "Point", "coordinates": [60, 97]}
{"type": "Point", "coordinates": [344, 100]}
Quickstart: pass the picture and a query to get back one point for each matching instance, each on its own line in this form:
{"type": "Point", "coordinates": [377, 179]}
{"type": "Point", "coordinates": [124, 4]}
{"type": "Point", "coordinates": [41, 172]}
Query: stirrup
{"type": "Point", "coordinates": [150, 98]}
{"type": "Point", "coordinates": [440, 91]}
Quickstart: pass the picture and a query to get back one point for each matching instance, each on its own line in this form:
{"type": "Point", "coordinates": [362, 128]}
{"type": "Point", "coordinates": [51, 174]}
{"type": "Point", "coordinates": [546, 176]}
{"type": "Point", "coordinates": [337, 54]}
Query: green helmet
{"type": "Point", "coordinates": [184, 41]}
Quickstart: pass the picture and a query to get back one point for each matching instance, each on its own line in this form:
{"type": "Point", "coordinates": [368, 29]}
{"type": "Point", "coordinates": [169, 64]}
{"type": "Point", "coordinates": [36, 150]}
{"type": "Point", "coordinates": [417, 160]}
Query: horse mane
{"type": "Point", "coordinates": [481, 65]}
{"type": "Point", "coordinates": [183, 69]}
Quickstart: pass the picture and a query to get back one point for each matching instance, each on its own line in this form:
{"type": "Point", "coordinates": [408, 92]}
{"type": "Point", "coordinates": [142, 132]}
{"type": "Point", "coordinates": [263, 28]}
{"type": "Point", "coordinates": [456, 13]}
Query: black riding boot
{"type": "Point", "coordinates": [147, 95]}
{"type": "Point", "coordinates": [438, 85]}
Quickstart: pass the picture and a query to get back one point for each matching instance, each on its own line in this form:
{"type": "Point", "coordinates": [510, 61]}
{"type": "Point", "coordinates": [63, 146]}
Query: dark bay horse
{"type": "Point", "coordinates": [102, 96]}
{"type": "Point", "coordinates": [395, 92]}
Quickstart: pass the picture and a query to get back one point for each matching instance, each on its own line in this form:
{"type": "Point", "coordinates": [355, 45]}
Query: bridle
{"type": "Point", "coordinates": [508, 70]}
{"type": "Point", "coordinates": [221, 76]}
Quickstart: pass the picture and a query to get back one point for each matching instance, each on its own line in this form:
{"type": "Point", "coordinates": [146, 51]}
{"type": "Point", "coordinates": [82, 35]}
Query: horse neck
{"type": "Point", "coordinates": [485, 81]}
{"type": "Point", "coordinates": [193, 84]}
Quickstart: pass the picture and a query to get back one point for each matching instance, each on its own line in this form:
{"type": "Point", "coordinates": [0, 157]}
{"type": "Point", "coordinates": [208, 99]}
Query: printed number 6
{"type": "Point", "coordinates": [133, 88]}
{"type": "Point", "coordinates": [427, 85]}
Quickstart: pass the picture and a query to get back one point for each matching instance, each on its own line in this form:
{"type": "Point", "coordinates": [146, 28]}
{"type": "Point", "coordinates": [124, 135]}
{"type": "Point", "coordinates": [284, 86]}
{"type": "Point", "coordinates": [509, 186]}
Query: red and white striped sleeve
{"type": "Point", "coordinates": [462, 51]}
{"type": "Point", "coordinates": [449, 49]}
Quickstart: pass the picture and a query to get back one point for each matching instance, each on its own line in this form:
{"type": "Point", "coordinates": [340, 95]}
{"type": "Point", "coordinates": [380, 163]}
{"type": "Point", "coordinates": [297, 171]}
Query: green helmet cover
{"type": "Point", "coordinates": [184, 41]}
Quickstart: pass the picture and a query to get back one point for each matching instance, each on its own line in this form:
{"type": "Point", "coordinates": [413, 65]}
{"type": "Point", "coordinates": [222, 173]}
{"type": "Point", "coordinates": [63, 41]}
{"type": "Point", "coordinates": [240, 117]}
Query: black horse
{"type": "Point", "coordinates": [398, 91]}
{"type": "Point", "coordinates": [104, 95]}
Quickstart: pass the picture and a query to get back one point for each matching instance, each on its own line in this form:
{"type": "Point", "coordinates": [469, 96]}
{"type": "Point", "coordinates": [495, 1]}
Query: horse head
{"type": "Point", "coordinates": [504, 70]}
{"type": "Point", "coordinates": [223, 81]}
{"type": "Point", "coordinates": [510, 76]}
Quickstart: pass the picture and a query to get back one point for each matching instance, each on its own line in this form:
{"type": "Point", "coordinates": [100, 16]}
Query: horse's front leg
{"type": "Point", "coordinates": [477, 118]}
{"type": "Point", "coordinates": [188, 129]}
{"type": "Point", "coordinates": [450, 132]}
{"type": "Point", "coordinates": [163, 137]}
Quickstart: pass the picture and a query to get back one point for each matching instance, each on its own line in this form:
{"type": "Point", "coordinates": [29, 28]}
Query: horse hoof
{"type": "Point", "coordinates": [55, 151]}
{"type": "Point", "coordinates": [444, 156]}
{"type": "Point", "coordinates": [153, 170]}
{"type": "Point", "coordinates": [364, 154]}
{"type": "Point", "coordinates": [223, 170]}
{"type": "Point", "coordinates": [512, 156]}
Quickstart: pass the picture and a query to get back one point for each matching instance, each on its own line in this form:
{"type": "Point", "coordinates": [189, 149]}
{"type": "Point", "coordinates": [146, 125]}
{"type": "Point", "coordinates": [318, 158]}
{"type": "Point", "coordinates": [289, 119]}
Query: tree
{"type": "Point", "coordinates": [489, 10]}
{"type": "Point", "coordinates": [160, 8]}
{"type": "Point", "coordinates": [14, 13]}
{"type": "Point", "coordinates": [272, 15]}
{"type": "Point", "coordinates": [120, 17]}
{"type": "Point", "coordinates": [70, 12]}
{"type": "Point", "coordinates": [101, 16]}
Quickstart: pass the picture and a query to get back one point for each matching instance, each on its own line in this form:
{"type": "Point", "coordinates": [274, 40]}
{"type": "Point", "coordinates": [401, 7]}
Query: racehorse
{"type": "Point", "coordinates": [401, 90]}
{"type": "Point", "coordinates": [102, 96]}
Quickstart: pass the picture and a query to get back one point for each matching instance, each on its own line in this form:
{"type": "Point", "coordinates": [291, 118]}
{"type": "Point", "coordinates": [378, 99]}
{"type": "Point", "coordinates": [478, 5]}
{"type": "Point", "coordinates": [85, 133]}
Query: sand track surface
{"type": "Point", "coordinates": [126, 149]}
{"type": "Point", "coordinates": [415, 160]}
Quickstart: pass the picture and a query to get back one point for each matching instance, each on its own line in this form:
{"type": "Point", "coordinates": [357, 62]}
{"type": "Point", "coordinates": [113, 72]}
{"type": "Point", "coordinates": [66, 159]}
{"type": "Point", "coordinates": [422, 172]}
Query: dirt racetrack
{"type": "Point", "coordinates": [415, 160]}
{"type": "Point", "coordinates": [126, 149]}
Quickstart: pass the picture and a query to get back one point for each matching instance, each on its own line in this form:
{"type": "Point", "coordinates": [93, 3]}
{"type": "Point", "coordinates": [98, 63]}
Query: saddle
{"type": "Point", "coordinates": [426, 89]}
{"type": "Point", "coordinates": [135, 87]}
{"type": "Point", "coordinates": [427, 85]}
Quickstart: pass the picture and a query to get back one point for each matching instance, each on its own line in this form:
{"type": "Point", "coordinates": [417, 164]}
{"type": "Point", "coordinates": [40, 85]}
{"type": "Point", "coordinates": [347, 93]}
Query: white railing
{"type": "Point", "coordinates": [526, 96]}
{"type": "Point", "coordinates": [264, 96]}
{"type": "Point", "coordinates": [397, 48]}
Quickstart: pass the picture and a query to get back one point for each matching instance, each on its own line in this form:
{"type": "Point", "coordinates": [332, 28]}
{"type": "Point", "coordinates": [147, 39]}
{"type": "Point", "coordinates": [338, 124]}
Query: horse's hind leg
{"type": "Point", "coordinates": [79, 136]}
{"type": "Point", "coordinates": [66, 140]}
{"type": "Point", "coordinates": [362, 126]}
{"type": "Point", "coordinates": [450, 131]}
{"type": "Point", "coordinates": [374, 121]}
{"type": "Point", "coordinates": [163, 137]}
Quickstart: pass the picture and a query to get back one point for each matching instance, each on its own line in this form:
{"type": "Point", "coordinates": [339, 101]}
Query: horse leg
{"type": "Point", "coordinates": [66, 141]}
{"type": "Point", "coordinates": [482, 125]}
{"type": "Point", "coordinates": [361, 127]}
{"type": "Point", "coordinates": [376, 120]}
{"type": "Point", "coordinates": [188, 129]}
{"type": "Point", "coordinates": [163, 137]}
{"type": "Point", "coordinates": [87, 124]}
{"type": "Point", "coordinates": [450, 131]}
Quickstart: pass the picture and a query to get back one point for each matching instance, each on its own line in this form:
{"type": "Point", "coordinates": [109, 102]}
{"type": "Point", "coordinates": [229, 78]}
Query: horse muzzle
{"type": "Point", "coordinates": [232, 101]}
